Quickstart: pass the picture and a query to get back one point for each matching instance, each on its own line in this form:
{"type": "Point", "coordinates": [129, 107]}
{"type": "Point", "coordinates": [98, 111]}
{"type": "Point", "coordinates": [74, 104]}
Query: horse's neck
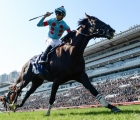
{"type": "Point", "coordinates": [80, 42]}
{"type": "Point", "coordinates": [76, 48]}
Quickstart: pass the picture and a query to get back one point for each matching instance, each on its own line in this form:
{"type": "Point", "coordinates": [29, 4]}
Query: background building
{"type": "Point", "coordinates": [6, 80]}
{"type": "Point", "coordinates": [4, 77]}
{"type": "Point", "coordinates": [13, 75]}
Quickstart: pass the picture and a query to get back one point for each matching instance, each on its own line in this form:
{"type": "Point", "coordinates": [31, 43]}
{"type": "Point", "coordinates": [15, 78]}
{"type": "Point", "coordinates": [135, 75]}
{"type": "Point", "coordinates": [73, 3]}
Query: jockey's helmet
{"type": "Point", "coordinates": [61, 10]}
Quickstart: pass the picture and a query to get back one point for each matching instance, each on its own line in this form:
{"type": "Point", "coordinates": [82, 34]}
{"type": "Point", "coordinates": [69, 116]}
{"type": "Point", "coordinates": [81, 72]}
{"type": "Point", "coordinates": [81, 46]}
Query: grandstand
{"type": "Point", "coordinates": [105, 60]}
{"type": "Point", "coordinates": [114, 58]}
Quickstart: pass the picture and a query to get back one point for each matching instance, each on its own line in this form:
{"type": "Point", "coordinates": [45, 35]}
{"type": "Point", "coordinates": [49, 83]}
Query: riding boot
{"type": "Point", "coordinates": [44, 55]}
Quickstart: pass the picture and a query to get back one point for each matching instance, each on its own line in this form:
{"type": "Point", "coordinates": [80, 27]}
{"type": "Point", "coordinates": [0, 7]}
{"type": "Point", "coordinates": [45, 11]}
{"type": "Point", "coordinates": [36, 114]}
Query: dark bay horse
{"type": "Point", "coordinates": [67, 62]}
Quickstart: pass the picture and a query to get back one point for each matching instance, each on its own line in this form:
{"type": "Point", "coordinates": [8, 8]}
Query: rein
{"type": "Point", "coordinates": [82, 33]}
{"type": "Point", "coordinates": [86, 34]}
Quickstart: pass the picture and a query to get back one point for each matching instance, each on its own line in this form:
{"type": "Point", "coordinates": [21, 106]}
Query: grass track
{"type": "Point", "coordinates": [128, 113]}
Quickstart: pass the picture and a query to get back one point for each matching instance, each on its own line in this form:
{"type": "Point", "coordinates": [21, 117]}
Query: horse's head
{"type": "Point", "coordinates": [96, 28]}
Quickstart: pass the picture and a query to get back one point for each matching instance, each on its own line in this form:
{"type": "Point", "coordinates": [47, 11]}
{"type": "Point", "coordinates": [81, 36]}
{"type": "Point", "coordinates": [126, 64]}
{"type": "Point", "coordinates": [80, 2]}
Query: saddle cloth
{"type": "Point", "coordinates": [37, 68]}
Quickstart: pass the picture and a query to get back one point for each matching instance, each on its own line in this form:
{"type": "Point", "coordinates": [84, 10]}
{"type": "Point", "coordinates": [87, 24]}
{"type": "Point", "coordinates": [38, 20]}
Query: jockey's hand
{"type": "Point", "coordinates": [47, 14]}
{"type": "Point", "coordinates": [64, 39]}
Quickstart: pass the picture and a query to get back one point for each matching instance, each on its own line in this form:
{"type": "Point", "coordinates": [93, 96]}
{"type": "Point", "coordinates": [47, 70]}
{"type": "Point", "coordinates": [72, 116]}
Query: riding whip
{"type": "Point", "coordinates": [38, 17]}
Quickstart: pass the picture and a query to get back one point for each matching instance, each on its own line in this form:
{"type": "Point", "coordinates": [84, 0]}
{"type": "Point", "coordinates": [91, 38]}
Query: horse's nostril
{"type": "Point", "coordinates": [101, 32]}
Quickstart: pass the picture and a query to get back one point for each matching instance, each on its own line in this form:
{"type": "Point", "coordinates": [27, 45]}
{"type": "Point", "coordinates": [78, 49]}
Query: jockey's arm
{"type": "Point", "coordinates": [41, 23]}
{"type": "Point", "coordinates": [68, 30]}
{"type": "Point", "coordinates": [66, 37]}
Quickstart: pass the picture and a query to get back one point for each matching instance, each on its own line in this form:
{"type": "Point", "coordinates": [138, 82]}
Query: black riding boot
{"type": "Point", "coordinates": [44, 55]}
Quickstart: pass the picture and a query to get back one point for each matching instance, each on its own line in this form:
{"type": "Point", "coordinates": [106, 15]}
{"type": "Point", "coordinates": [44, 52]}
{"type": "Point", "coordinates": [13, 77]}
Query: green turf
{"type": "Point", "coordinates": [128, 113]}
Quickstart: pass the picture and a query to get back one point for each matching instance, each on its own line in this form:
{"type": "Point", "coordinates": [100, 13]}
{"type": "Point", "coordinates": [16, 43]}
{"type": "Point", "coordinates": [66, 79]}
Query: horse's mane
{"type": "Point", "coordinates": [72, 33]}
{"type": "Point", "coordinates": [82, 21]}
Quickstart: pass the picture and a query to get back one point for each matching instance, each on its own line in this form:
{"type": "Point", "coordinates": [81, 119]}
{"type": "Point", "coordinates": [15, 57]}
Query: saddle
{"type": "Point", "coordinates": [42, 70]}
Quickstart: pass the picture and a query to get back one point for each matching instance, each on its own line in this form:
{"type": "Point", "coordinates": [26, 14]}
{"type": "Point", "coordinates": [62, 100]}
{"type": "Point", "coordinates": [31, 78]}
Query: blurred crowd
{"type": "Point", "coordinates": [114, 91]}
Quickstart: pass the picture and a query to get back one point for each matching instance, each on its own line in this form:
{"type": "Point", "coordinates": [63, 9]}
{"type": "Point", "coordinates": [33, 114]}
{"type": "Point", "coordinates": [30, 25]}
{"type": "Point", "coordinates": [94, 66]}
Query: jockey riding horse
{"type": "Point", "coordinates": [67, 63]}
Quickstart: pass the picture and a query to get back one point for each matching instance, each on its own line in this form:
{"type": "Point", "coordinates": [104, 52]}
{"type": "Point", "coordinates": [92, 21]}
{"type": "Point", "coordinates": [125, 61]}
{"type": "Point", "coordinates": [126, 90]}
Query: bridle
{"type": "Point", "coordinates": [100, 31]}
{"type": "Point", "coordinates": [82, 33]}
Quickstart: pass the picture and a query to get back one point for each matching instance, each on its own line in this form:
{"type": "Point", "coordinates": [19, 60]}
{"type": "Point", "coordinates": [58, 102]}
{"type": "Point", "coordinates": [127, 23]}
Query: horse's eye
{"type": "Point", "coordinates": [92, 21]}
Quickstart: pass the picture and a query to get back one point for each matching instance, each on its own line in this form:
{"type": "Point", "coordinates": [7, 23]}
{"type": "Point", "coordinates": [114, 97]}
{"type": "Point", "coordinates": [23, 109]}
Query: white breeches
{"type": "Point", "coordinates": [52, 42]}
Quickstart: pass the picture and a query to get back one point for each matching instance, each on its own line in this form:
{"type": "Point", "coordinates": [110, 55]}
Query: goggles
{"type": "Point", "coordinates": [59, 13]}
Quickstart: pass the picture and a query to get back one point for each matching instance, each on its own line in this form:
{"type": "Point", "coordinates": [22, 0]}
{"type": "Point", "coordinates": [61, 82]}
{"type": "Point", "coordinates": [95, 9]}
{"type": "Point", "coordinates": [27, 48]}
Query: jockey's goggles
{"type": "Point", "coordinates": [59, 13]}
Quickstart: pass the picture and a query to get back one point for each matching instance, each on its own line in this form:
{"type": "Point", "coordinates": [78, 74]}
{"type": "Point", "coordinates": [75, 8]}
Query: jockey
{"type": "Point", "coordinates": [57, 26]}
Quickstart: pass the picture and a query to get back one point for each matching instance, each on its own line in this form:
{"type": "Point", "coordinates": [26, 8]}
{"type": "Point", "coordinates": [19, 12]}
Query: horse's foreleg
{"type": "Point", "coordinates": [55, 86]}
{"type": "Point", "coordinates": [20, 89]}
{"type": "Point", "coordinates": [86, 83]}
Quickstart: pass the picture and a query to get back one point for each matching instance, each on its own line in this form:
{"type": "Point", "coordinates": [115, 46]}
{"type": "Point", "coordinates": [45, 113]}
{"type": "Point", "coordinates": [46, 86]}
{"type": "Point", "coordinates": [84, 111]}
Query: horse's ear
{"type": "Point", "coordinates": [87, 16]}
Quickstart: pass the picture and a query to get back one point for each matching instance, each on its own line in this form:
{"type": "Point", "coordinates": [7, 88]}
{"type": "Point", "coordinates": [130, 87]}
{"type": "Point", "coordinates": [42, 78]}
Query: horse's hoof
{"type": "Point", "coordinates": [115, 110]}
{"type": "Point", "coordinates": [48, 113]}
{"type": "Point", "coordinates": [15, 108]}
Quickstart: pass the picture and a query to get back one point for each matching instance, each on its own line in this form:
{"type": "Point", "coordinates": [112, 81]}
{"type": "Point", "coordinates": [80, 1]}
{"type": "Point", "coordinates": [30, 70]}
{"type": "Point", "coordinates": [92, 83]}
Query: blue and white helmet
{"type": "Point", "coordinates": [62, 10]}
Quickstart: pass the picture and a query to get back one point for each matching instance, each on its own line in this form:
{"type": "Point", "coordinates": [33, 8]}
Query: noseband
{"type": "Point", "coordinates": [82, 33]}
{"type": "Point", "coordinates": [100, 31]}
{"type": "Point", "coordinates": [86, 34]}
{"type": "Point", "coordinates": [103, 30]}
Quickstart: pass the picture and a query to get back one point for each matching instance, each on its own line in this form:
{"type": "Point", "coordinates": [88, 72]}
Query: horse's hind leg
{"type": "Point", "coordinates": [32, 89]}
{"type": "Point", "coordinates": [24, 78]}
{"type": "Point", "coordinates": [26, 75]}
{"type": "Point", "coordinates": [25, 72]}
{"type": "Point", "coordinates": [4, 103]}
{"type": "Point", "coordinates": [86, 83]}
{"type": "Point", "coordinates": [24, 84]}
